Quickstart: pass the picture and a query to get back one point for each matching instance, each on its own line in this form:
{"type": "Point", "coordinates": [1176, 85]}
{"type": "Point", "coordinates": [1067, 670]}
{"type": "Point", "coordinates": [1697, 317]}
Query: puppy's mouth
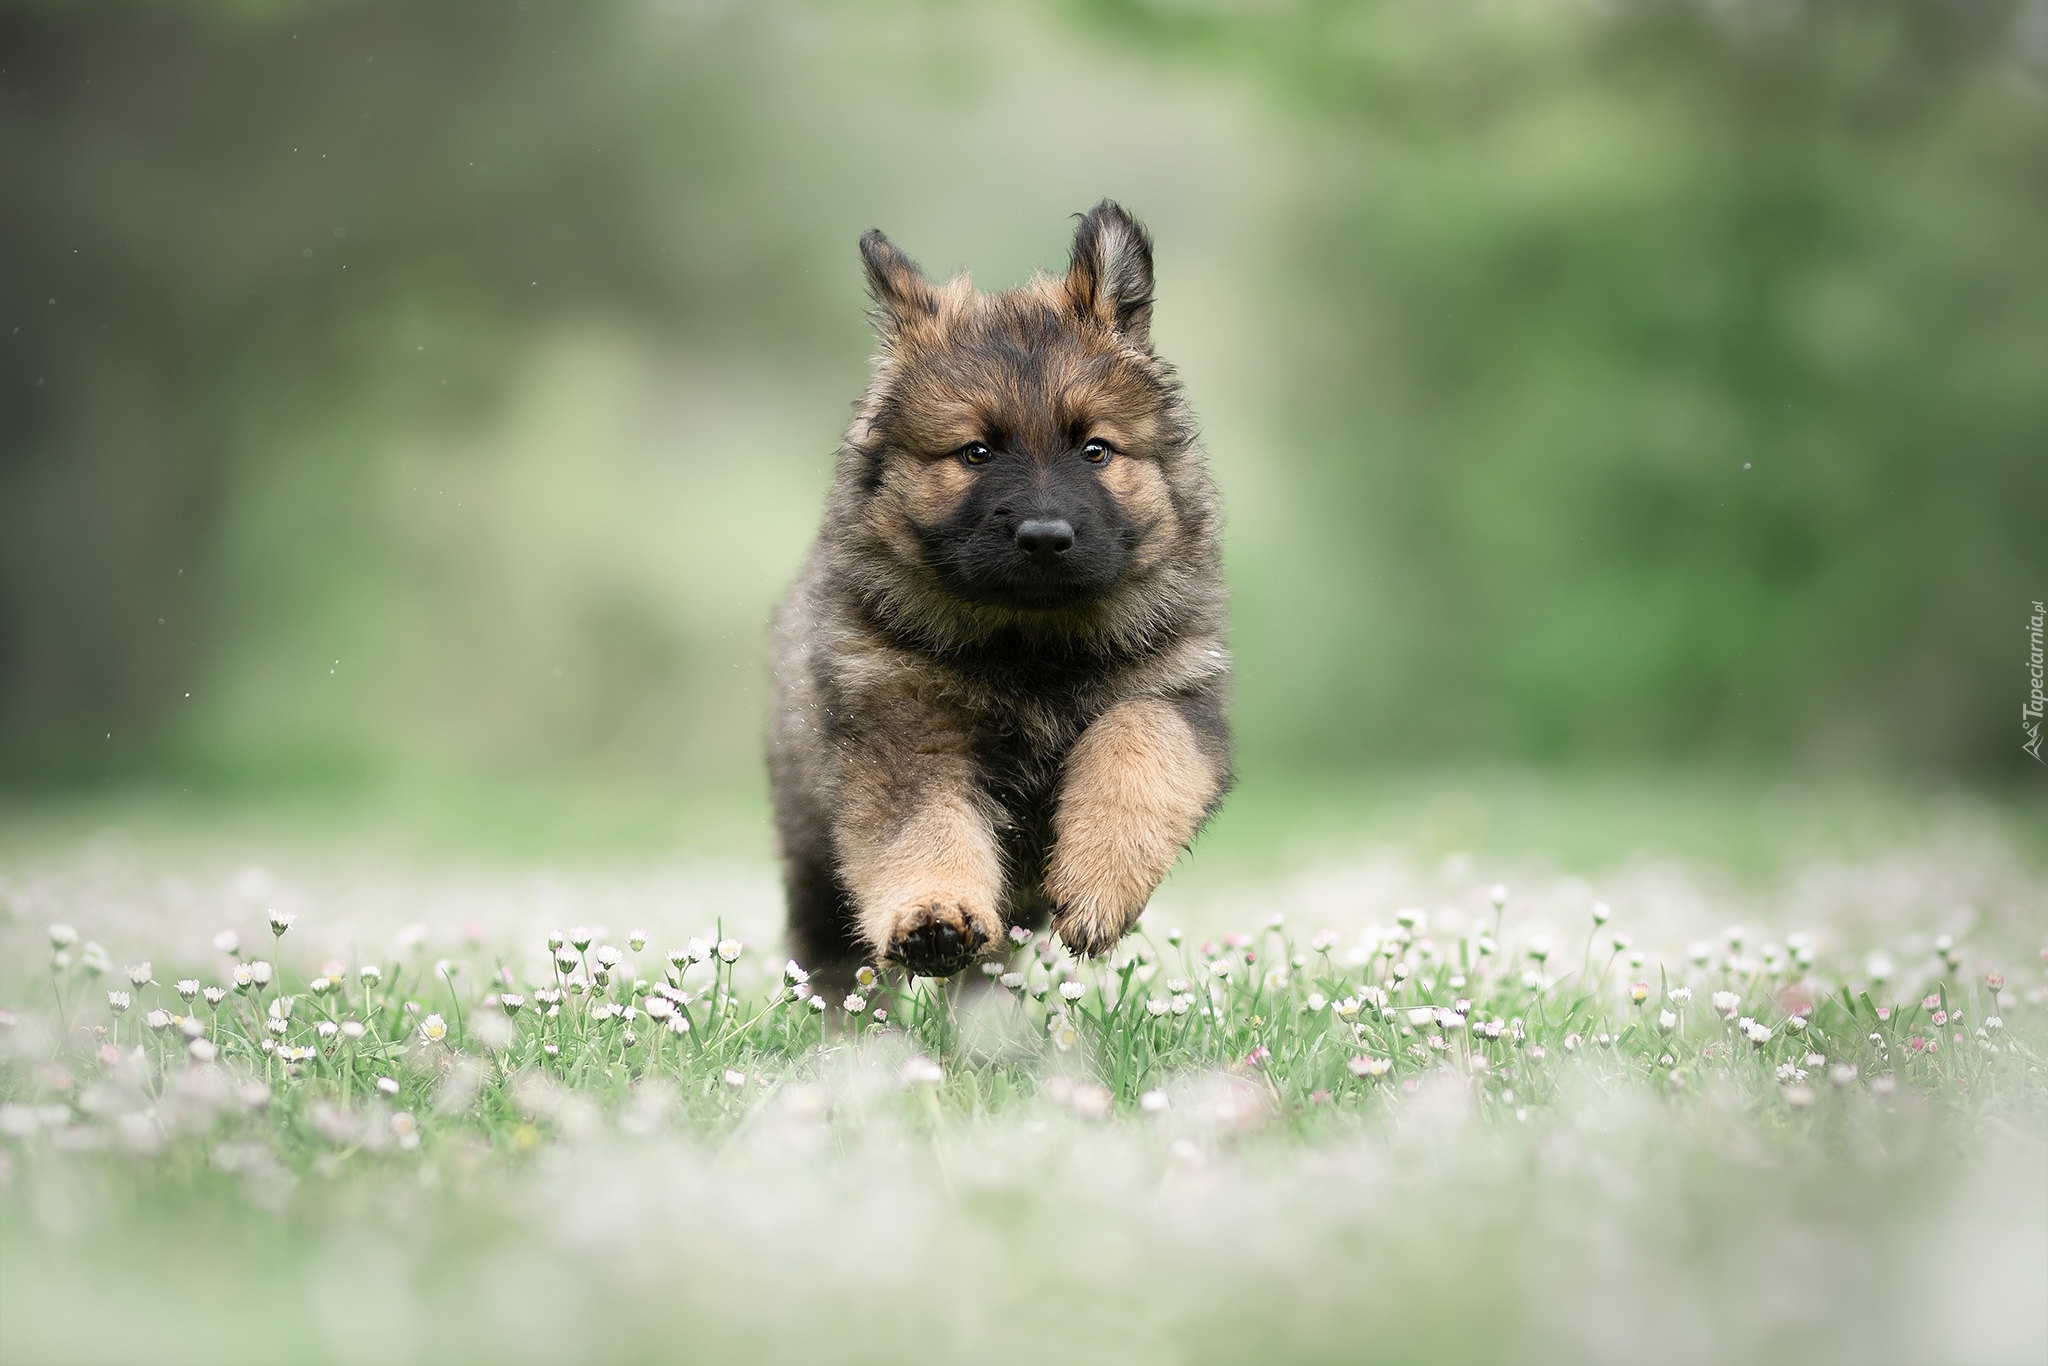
{"type": "Point", "coordinates": [1000, 570]}
{"type": "Point", "coordinates": [1032, 587]}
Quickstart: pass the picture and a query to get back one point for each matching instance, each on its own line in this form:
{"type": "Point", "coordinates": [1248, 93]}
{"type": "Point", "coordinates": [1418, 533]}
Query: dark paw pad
{"type": "Point", "coordinates": [940, 942]}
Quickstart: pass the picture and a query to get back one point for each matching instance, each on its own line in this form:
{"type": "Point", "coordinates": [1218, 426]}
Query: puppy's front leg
{"type": "Point", "coordinates": [1139, 783]}
{"type": "Point", "coordinates": [916, 844]}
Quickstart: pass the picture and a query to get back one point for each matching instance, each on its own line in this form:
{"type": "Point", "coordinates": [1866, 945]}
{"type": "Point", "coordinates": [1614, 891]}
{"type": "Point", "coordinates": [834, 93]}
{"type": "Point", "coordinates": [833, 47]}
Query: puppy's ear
{"type": "Point", "coordinates": [1111, 274]}
{"type": "Point", "coordinates": [900, 290]}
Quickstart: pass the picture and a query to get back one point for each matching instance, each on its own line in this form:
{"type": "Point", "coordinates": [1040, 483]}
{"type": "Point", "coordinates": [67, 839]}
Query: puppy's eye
{"type": "Point", "coordinates": [1097, 451]}
{"type": "Point", "coordinates": [975, 453]}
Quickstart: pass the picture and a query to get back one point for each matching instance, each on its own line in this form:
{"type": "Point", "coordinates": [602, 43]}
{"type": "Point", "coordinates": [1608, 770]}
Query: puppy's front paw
{"type": "Point", "coordinates": [936, 937]}
{"type": "Point", "coordinates": [1094, 902]}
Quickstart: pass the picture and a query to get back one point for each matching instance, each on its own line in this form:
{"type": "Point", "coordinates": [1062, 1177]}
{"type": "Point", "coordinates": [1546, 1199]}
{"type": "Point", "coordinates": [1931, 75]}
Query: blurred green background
{"type": "Point", "coordinates": [437, 395]}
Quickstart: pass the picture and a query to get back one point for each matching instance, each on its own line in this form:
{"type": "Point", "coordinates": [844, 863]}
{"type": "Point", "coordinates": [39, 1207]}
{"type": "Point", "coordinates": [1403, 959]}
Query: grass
{"type": "Point", "coordinates": [1745, 823]}
{"type": "Point", "coordinates": [1376, 1105]}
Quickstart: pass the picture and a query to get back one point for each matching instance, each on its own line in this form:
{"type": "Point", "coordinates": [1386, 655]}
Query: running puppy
{"type": "Point", "coordinates": [1000, 677]}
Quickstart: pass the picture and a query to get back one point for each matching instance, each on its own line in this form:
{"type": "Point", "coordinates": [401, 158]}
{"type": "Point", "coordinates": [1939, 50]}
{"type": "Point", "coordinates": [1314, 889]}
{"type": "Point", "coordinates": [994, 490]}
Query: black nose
{"type": "Point", "coordinates": [1045, 536]}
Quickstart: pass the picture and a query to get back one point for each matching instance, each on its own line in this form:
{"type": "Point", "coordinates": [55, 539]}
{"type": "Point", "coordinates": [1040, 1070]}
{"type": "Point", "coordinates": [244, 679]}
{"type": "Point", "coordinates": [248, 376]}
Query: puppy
{"type": "Point", "coordinates": [1000, 677]}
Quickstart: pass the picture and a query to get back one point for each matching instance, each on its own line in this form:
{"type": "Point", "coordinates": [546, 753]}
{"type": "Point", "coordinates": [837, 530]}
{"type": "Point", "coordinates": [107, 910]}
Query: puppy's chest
{"type": "Point", "coordinates": [1022, 737]}
{"type": "Point", "coordinates": [1019, 773]}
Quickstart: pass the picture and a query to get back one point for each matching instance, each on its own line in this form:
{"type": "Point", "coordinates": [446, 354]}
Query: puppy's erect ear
{"type": "Point", "coordinates": [900, 290]}
{"type": "Point", "coordinates": [1111, 274]}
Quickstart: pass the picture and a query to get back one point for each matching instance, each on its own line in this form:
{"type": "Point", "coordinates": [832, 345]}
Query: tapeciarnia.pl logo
{"type": "Point", "coordinates": [2030, 714]}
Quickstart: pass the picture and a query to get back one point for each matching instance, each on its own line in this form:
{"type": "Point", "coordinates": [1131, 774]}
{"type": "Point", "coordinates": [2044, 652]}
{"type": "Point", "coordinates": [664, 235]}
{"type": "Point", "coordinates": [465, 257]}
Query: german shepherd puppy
{"type": "Point", "coordinates": [1000, 677]}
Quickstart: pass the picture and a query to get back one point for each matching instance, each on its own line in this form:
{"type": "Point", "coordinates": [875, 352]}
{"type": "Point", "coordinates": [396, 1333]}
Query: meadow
{"type": "Point", "coordinates": [1626, 945]}
{"type": "Point", "coordinates": [356, 1101]}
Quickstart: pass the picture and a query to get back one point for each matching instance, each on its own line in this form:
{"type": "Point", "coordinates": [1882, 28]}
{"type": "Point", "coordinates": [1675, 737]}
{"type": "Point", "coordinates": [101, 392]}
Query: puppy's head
{"type": "Point", "coordinates": [1018, 452]}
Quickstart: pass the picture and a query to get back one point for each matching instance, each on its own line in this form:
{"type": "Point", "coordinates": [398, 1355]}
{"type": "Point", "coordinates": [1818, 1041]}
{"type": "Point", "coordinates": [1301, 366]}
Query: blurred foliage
{"type": "Point", "coordinates": [1677, 370]}
{"type": "Point", "coordinates": [450, 387]}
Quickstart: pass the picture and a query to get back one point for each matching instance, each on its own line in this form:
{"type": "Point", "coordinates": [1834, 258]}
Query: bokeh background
{"type": "Point", "coordinates": [434, 397]}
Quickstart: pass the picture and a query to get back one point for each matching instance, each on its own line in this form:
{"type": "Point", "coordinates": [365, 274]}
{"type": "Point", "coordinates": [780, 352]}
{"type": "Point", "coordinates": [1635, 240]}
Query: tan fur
{"type": "Point", "coordinates": [939, 865]}
{"type": "Point", "coordinates": [1137, 786]}
{"type": "Point", "coordinates": [1141, 487]}
{"type": "Point", "coordinates": [934, 487]}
